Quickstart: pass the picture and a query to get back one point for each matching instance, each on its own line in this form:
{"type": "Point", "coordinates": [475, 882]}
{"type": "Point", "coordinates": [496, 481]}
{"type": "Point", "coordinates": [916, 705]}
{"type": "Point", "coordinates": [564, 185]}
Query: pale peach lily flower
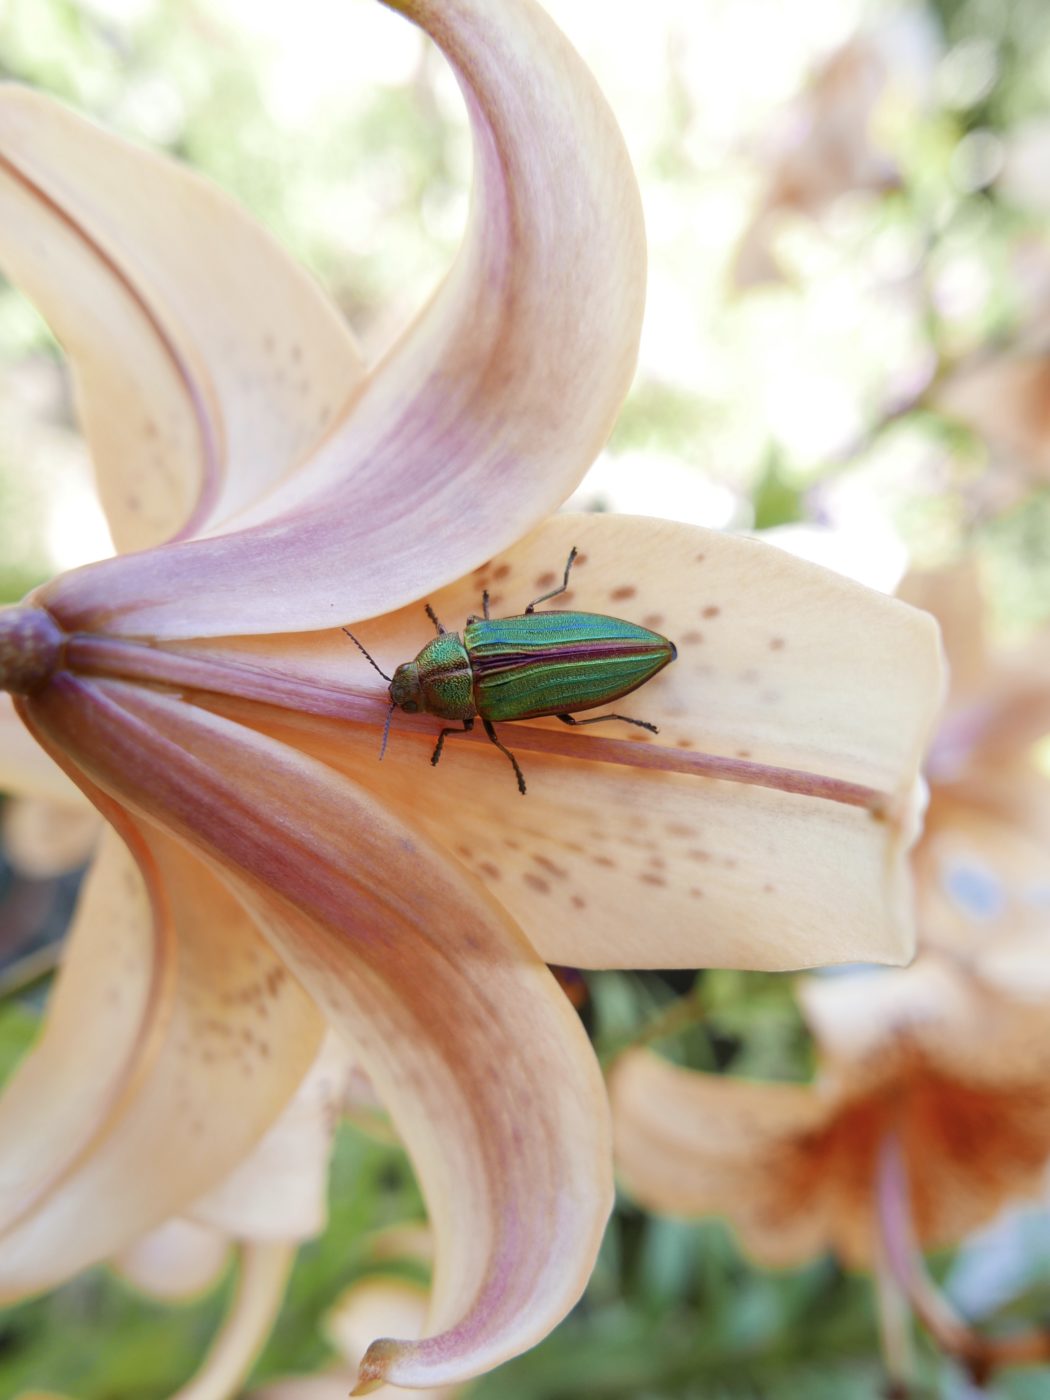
{"type": "Point", "coordinates": [950, 1059]}
{"type": "Point", "coordinates": [271, 878]}
{"type": "Point", "coordinates": [945, 1062]}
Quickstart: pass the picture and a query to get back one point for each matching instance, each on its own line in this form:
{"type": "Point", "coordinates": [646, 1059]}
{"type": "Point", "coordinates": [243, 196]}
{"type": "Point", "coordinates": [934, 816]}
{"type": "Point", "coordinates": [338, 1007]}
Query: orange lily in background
{"type": "Point", "coordinates": [270, 879]}
{"type": "Point", "coordinates": [930, 1109]}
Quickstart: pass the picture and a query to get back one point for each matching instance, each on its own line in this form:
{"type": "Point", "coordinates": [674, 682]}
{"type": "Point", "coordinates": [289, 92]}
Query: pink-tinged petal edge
{"type": "Point", "coordinates": [158, 1032]}
{"type": "Point", "coordinates": [206, 362]}
{"type": "Point", "coordinates": [487, 1072]}
{"type": "Point", "coordinates": [489, 410]}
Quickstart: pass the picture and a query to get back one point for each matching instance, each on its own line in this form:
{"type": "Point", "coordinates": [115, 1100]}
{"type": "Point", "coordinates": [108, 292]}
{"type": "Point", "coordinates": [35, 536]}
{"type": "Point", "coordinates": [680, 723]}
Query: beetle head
{"type": "Point", "coordinates": [404, 688]}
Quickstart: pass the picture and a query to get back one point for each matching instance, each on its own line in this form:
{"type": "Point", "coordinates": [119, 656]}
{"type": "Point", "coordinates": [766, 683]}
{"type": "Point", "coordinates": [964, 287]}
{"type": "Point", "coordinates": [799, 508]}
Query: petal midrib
{"type": "Point", "coordinates": [209, 428]}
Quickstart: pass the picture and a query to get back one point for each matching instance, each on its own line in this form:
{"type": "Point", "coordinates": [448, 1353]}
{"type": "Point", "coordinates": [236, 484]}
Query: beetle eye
{"type": "Point", "coordinates": [410, 707]}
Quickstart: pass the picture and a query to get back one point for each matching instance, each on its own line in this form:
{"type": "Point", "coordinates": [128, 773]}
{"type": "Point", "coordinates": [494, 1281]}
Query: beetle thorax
{"type": "Point", "coordinates": [404, 688]}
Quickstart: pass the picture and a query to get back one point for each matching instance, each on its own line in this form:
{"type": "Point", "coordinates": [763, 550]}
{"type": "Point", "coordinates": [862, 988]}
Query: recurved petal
{"type": "Point", "coordinates": [206, 361]}
{"type": "Point", "coordinates": [114, 983]}
{"type": "Point", "coordinates": [490, 409]}
{"type": "Point", "coordinates": [607, 862]}
{"type": "Point", "coordinates": [280, 1191]}
{"type": "Point", "coordinates": [382, 1304]}
{"type": "Point", "coordinates": [953, 595]}
{"type": "Point", "coordinates": [701, 1144]}
{"type": "Point", "coordinates": [486, 1070]}
{"type": "Point", "coordinates": [177, 1260]}
{"type": "Point", "coordinates": [264, 1270]}
{"type": "Point", "coordinates": [145, 1045]}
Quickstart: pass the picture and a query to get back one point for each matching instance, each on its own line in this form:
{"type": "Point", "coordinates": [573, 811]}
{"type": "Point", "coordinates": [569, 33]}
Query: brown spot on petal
{"type": "Point", "coordinates": [743, 753]}
{"type": "Point", "coordinates": [692, 638]}
{"type": "Point", "coordinates": [606, 862]}
{"type": "Point", "coordinates": [545, 863]}
{"type": "Point", "coordinates": [487, 868]}
{"type": "Point", "coordinates": [697, 854]}
{"type": "Point", "coordinates": [501, 571]}
{"type": "Point", "coordinates": [776, 644]}
{"type": "Point", "coordinates": [546, 579]}
{"type": "Point", "coordinates": [683, 743]}
{"type": "Point", "coordinates": [679, 829]}
{"type": "Point", "coordinates": [695, 892]}
{"type": "Point", "coordinates": [653, 620]}
{"type": "Point", "coordinates": [621, 594]}
{"type": "Point", "coordinates": [535, 883]}
{"type": "Point", "coordinates": [710, 611]}
{"type": "Point", "coordinates": [648, 878]}
{"type": "Point", "coordinates": [578, 901]}
{"type": "Point", "coordinates": [581, 559]}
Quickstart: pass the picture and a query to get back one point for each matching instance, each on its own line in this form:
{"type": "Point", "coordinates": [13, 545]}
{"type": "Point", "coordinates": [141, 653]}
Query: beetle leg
{"type": "Point", "coordinates": [642, 723]}
{"type": "Point", "coordinates": [484, 609]}
{"type": "Point", "coordinates": [468, 725]}
{"type": "Point", "coordinates": [555, 591]}
{"type": "Point", "coordinates": [491, 732]}
{"type": "Point", "coordinates": [433, 617]}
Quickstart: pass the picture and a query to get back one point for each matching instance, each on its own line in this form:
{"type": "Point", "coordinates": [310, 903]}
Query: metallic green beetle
{"type": "Point", "coordinates": [551, 663]}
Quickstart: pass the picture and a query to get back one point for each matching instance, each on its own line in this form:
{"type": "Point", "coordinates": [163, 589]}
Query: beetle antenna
{"type": "Point", "coordinates": [386, 730]}
{"type": "Point", "coordinates": [361, 649]}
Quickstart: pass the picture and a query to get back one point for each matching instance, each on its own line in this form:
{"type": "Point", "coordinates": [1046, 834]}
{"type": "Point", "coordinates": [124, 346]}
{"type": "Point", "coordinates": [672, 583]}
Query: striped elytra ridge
{"type": "Point", "coordinates": [559, 662]}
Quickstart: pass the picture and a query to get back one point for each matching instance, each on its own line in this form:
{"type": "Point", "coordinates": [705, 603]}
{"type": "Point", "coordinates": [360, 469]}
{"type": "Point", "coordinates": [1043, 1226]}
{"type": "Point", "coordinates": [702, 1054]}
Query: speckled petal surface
{"type": "Point", "coordinates": [206, 361]}
{"type": "Point", "coordinates": [487, 413]}
{"type": "Point", "coordinates": [144, 1045]}
{"type": "Point", "coordinates": [430, 980]}
{"type": "Point", "coordinates": [607, 864]}
{"type": "Point", "coordinates": [280, 1191]}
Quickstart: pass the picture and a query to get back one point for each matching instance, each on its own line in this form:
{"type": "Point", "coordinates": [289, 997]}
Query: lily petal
{"type": "Point", "coordinates": [380, 1304]}
{"type": "Point", "coordinates": [203, 1048]}
{"type": "Point", "coordinates": [689, 1143]}
{"type": "Point", "coordinates": [485, 416]}
{"type": "Point", "coordinates": [280, 1191]}
{"type": "Point", "coordinates": [177, 1260]}
{"type": "Point", "coordinates": [486, 1070]}
{"type": "Point", "coordinates": [611, 864]}
{"type": "Point", "coordinates": [264, 1274]}
{"type": "Point", "coordinates": [150, 277]}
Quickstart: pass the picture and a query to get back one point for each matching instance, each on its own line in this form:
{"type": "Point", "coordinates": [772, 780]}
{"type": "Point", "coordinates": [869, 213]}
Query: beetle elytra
{"type": "Point", "coordinates": [512, 668]}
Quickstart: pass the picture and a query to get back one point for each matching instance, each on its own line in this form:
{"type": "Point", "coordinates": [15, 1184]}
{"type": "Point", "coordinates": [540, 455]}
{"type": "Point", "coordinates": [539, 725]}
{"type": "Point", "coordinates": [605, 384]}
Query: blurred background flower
{"type": "Point", "coordinates": [846, 330]}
